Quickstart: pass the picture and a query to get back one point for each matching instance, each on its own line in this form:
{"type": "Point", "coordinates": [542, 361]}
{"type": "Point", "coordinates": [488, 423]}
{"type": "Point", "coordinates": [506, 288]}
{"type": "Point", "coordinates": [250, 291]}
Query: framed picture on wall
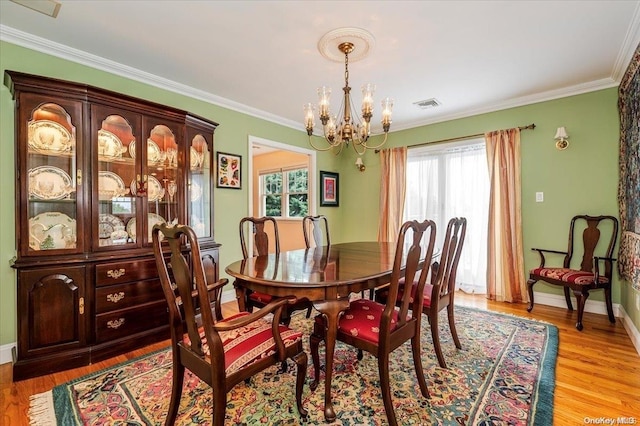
{"type": "Point", "coordinates": [229, 171]}
{"type": "Point", "coordinates": [329, 185]}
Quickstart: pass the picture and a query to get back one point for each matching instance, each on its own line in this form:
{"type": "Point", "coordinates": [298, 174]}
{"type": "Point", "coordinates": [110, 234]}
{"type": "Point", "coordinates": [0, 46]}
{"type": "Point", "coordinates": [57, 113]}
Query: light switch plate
{"type": "Point", "coordinates": [539, 197]}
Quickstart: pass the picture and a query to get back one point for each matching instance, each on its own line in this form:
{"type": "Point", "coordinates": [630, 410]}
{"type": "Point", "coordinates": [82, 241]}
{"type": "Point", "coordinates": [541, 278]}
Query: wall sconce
{"type": "Point", "coordinates": [360, 165]}
{"type": "Point", "coordinates": [561, 138]}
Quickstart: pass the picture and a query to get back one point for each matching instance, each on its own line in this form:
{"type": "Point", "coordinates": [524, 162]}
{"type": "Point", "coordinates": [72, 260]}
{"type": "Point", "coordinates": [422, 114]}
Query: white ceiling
{"type": "Point", "coordinates": [261, 57]}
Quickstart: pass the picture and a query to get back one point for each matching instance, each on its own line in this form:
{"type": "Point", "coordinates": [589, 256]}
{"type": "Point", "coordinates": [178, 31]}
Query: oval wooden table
{"type": "Point", "coordinates": [325, 275]}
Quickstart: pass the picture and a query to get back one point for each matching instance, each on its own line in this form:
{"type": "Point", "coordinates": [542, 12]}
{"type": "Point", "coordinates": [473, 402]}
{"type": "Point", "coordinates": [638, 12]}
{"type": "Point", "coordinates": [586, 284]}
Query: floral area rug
{"type": "Point", "coordinates": [504, 375]}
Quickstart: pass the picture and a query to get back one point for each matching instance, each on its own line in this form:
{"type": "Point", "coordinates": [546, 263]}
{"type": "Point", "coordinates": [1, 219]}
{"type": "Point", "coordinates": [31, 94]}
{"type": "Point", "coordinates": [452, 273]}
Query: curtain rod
{"type": "Point", "coordinates": [461, 138]}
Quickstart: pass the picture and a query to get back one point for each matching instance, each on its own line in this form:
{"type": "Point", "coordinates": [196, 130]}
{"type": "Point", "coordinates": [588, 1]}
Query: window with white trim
{"type": "Point", "coordinates": [285, 192]}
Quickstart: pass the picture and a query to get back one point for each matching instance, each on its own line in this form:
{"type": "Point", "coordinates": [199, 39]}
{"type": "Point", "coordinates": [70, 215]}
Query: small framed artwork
{"type": "Point", "coordinates": [229, 170]}
{"type": "Point", "coordinates": [329, 194]}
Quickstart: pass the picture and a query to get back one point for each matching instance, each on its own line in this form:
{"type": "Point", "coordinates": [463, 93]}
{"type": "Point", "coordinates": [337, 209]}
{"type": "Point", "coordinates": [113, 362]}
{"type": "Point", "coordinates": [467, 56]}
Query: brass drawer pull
{"type": "Point", "coordinates": [116, 273]}
{"type": "Point", "coordinates": [115, 297]}
{"type": "Point", "coordinates": [115, 324]}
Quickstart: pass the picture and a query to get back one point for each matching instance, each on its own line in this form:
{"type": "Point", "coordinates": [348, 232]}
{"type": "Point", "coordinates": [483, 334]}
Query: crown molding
{"type": "Point", "coordinates": [578, 89]}
{"type": "Point", "coordinates": [38, 44]}
{"type": "Point", "coordinates": [629, 46]}
{"type": "Point", "coordinates": [30, 41]}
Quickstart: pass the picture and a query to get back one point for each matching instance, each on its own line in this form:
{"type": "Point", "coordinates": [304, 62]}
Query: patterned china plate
{"type": "Point", "coordinates": [52, 230]}
{"type": "Point", "coordinates": [107, 223]}
{"type": "Point", "coordinates": [49, 183]}
{"type": "Point", "coordinates": [155, 191]}
{"type": "Point", "coordinates": [49, 137]}
{"type": "Point", "coordinates": [154, 153]}
{"type": "Point", "coordinates": [152, 219]}
{"type": "Point", "coordinates": [109, 145]}
{"type": "Point", "coordinates": [110, 185]}
{"type": "Point", "coordinates": [195, 158]}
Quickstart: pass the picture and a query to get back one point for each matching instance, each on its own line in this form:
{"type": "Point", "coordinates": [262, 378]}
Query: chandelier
{"type": "Point", "coordinates": [347, 127]}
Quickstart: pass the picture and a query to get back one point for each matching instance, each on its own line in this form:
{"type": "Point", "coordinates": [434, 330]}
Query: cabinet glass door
{"type": "Point", "coordinates": [199, 186]}
{"type": "Point", "coordinates": [53, 179]}
{"type": "Point", "coordinates": [117, 173]}
{"type": "Point", "coordinates": [163, 178]}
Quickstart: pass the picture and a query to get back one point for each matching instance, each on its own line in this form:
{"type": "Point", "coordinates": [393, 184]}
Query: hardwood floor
{"type": "Point", "coordinates": [597, 373]}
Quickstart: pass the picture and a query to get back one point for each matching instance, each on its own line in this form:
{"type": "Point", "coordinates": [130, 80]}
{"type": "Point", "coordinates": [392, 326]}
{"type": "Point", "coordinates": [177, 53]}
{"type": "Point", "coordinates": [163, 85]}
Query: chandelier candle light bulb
{"type": "Point", "coordinates": [347, 127]}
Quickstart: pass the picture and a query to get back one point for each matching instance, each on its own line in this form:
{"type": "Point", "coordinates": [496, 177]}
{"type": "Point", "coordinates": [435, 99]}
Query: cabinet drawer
{"type": "Point", "coordinates": [125, 322]}
{"type": "Point", "coordinates": [123, 272]}
{"type": "Point", "coordinates": [120, 296]}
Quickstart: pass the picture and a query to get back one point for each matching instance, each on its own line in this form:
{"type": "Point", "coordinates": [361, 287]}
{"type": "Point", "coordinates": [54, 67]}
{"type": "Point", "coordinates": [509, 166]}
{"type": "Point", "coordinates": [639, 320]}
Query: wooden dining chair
{"type": "Point", "coordinates": [381, 328]}
{"type": "Point", "coordinates": [439, 293]}
{"type": "Point", "coordinates": [316, 230]}
{"type": "Point", "coordinates": [221, 352]}
{"type": "Point", "coordinates": [588, 276]}
{"type": "Point", "coordinates": [260, 228]}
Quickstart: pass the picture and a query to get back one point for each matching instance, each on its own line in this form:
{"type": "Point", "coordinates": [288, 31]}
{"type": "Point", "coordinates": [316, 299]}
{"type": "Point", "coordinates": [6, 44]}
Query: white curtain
{"type": "Point", "coordinates": [449, 180]}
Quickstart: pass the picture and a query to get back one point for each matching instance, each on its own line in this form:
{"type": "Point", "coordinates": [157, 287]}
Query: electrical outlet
{"type": "Point", "coordinates": [539, 197]}
{"type": "Point", "coordinates": [638, 302]}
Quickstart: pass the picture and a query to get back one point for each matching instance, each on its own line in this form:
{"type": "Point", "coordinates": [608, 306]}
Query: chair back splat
{"type": "Point", "coordinates": [439, 293]}
{"type": "Point", "coordinates": [316, 230]}
{"type": "Point", "coordinates": [381, 328]}
{"type": "Point", "coordinates": [589, 276]}
{"type": "Point", "coordinates": [221, 352]}
{"type": "Point", "coordinates": [260, 228]}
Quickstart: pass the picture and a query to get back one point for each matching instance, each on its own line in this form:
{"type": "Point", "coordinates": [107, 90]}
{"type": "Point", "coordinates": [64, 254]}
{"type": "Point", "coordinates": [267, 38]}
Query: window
{"type": "Point", "coordinates": [285, 193]}
{"type": "Point", "coordinates": [449, 180]}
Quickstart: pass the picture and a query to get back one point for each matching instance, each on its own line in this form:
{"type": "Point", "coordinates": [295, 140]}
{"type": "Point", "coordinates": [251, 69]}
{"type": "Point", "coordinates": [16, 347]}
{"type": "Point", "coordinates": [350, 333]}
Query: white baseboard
{"type": "Point", "coordinates": [228, 296]}
{"type": "Point", "coordinates": [595, 307]}
{"type": "Point", "coordinates": [557, 300]}
{"type": "Point", "coordinates": [6, 353]}
{"type": "Point", "coordinates": [632, 331]}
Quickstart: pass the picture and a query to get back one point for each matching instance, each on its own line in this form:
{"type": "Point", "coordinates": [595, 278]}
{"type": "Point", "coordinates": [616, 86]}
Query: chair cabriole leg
{"type": "Point", "coordinates": [581, 299]}
{"type": "Point", "coordinates": [607, 298]}
{"type": "Point", "coordinates": [176, 392]}
{"type": "Point", "coordinates": [452, 325]}
{"type": "Point", "coordinates": [435, 336]}
{"type": "Point", "coordinates": [301, 362]}
{"type": "Point", "coordinates": [530, 284]}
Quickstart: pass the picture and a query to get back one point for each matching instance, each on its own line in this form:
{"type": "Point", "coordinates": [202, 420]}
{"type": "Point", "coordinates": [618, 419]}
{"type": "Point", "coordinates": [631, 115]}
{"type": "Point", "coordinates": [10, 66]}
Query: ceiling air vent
{"type": "Point", "coordinates": [428, 103]}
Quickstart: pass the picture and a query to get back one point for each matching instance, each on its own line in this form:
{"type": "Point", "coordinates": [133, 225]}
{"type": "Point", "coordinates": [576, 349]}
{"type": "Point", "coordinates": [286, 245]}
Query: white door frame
{"type": "Point", "coordinates": [254, 140]}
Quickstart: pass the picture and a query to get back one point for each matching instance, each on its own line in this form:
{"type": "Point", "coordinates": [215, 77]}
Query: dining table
{"type": "Point", "coordinates": [326, 275]}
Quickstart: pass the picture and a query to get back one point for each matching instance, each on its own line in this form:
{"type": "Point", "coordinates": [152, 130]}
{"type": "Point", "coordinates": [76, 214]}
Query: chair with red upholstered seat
{"type": "Point", "coordinates": [381, 328]}
{"type": "Point", "coordinates": [588, 276]}
{"type": "Point", "coordinates": [221, 352]}
{"type": "Point", "coordinates": [439, 294]}
{"type": "Point", "coordinates": [261, 228]}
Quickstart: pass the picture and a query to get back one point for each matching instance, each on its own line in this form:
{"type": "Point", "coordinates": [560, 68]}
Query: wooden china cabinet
{"type": "Point", "coordinates": [95, 171]}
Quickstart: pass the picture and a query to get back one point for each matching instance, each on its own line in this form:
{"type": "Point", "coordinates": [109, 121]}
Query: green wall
{"type": "Point", "coordinates": [581, 179]}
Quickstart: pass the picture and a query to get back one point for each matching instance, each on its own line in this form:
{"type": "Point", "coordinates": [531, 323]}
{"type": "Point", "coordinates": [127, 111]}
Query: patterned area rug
{"type": "Point", "coordinates": [505, 374]}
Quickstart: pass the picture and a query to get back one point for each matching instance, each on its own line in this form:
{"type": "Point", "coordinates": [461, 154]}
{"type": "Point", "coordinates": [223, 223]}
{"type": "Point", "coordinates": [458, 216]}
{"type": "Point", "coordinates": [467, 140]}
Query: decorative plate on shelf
{"type": "Point", "coordinates": [152, 219]}
{"type": "Point", "coordinates": [49, 137]}
{"type": "Point", "coordinates": [195, 158]}
{"type": "Point", "coordinates": [108, 223]}
{"type": "Point", "coordinates": [52, 230]}
{"type": "Point", "coordinates": [109, 145]}
{"type": "Point", "coordinates": [49, 183]}
{"type": "Point", "coordinates": [154, 153]}
{"type": "Point", "coordinates": [155, 191]}
{"type": "Point", "coordinates": [110, 185]}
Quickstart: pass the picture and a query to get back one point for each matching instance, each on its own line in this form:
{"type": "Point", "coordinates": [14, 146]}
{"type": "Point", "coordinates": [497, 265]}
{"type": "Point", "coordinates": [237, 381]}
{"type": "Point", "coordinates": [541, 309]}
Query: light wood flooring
{"type": "Point", "coordinates": [597, 373]}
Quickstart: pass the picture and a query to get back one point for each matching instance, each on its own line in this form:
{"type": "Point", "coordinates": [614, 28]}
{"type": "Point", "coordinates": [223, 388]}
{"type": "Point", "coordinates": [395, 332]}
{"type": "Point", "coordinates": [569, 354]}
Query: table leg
{"type": "Point", "coordinates": [241, 294]}
{"type": "Point", "coordinates": [331, 309]}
